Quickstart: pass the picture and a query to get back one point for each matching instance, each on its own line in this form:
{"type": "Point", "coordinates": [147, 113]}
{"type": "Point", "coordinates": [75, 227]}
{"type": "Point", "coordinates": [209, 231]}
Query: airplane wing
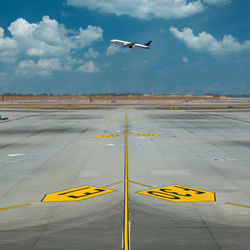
{"type": "Point", "coordinates": [120, 42]}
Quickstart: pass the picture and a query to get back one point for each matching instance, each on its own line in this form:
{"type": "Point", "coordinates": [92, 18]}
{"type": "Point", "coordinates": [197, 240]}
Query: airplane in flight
{"type": "Point", "coordinates": [132, 44]}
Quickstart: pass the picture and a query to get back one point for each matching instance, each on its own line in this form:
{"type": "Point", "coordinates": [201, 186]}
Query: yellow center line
{"type": "Point", "coordinates": [118, 182]}
{"type": "Point", "coordinates": [126, 216]}
{"type": "Point", "coordinates": [23, 205]}
{"type": "Point", "coordinates": [234, 204]}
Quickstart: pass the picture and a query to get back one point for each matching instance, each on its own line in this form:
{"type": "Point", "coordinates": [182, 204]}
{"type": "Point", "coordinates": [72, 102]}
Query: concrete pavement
{"type": "Point", "coordinates": [42, 152]}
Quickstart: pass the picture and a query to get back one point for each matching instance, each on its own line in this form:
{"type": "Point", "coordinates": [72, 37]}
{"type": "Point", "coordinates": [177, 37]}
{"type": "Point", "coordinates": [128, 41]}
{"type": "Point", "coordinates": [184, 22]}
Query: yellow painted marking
{"type": "Point", "coordinates": [23, 205]}
{"type": "Point", "coordinates": [104, 136]}
{"type": "Point", "coordinates": [177, 193]}
{"type": "Point", "coordinates": [118, 182]}
{"type": "Point", "coordinates": [76, 194]}
{"type": "Point", "coordinates": [234, 204]}
{"type": "Point", "coordinates": [126, 216]}
{"type": "Point", "coordinates": [112, 121]}
{"type": "Point", "coordinates": [113, 111]}
{"type": "Point", "coordinates": [145, 135]}
{"type": "Point", "coordinates": [138, 119]}
{"type": "Point", "coordinates": [139, 184]}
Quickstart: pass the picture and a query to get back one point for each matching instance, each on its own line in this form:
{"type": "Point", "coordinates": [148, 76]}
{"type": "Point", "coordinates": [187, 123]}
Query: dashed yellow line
{"type": "Point", "coordinates": [118, 182]}
{"type": "Point", "coordinates": [145, 135]}
{"type": "Point", "coordinates": [138, 183]}
{"type": "Point", "coordinates": [23, 205]}
{"type": "Point", "coordinates": [105, 136]}
{"type": "Point", "coordinates": [133, 182]}
{"type": "Point", "coordinates": [234, 204]}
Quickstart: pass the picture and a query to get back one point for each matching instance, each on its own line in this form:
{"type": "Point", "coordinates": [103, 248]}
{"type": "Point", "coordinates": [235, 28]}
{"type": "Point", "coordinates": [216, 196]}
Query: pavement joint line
{"type": "Point", "coordinates": [138, 119]}
{"type": "Point", "coordinates": [118, 182]}
{"type": "Point", "coordinates": [23, 205]}
{"type": "Point", "coordinates": [239, 205]}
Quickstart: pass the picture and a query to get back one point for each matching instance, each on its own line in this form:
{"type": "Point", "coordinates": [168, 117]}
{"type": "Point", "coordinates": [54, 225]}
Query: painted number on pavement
{"type": "Point", "coordinates": [76, 194]}
{"type": "Point", "coordinates": [177, 193]}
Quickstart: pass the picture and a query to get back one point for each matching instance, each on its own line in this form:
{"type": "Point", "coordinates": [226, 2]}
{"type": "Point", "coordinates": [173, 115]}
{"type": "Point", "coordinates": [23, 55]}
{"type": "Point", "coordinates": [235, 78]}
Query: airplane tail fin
{"type": "Point", "coordinates": [148, 43]}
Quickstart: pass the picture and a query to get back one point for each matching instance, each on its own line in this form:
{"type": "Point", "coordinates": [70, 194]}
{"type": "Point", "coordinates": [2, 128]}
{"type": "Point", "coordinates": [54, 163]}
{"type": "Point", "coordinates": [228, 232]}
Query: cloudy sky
{"type": "Point", "coordinates": [63, 46]}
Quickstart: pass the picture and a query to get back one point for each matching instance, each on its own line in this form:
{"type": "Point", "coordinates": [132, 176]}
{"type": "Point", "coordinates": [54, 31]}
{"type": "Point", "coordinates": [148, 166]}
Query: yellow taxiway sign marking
{"type": "Point", "coordinates": [138, 119]}
{"type": "Point", "coordinates": [234, 204]}
{"type": "Point", "coordinates": [105, 136]}
{"type": "Point", "coordinates": [177, 193]}
{"type": "Point", "coordinates": [23, 205]}
{"type": "Point", "coordinates": [112, 121]}
{"type": "Point", "coordinates": [76, 194]}
{"type": "Point", "coordinates": [145, 135]}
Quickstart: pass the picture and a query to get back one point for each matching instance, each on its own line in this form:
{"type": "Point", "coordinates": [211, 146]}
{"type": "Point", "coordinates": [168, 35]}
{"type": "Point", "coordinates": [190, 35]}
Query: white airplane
{"type": "Point", "coordinates": [132, 44]}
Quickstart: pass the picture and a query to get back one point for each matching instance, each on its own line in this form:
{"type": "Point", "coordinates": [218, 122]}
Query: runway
{"type": "Point", "coordinates": [125, 178]}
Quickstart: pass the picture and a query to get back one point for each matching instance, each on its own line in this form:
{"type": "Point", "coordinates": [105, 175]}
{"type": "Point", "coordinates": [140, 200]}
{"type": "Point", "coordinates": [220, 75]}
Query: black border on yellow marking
{"type": "Point", "coordinates": [74, 190]}
{"type": "Point", "coordinates": [126, 239]}
{"type": "Point", "coordinates": [23, 205]}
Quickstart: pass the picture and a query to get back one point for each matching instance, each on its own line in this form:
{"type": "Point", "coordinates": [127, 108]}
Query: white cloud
{"type": "Point", "coordinates": [185, 59]}
{"type": "Point", "coordinates": [91, 53]}
{"type": "Point", "coordinates": [87, 36]}
{"type": "Point", "coordinates": [147, 9]}
{"type": "Point", "coordinates": [88, 67]}
{"type": "Point", "coordinates": [41, 67]}
{"type": "Point", "coordinates": [112, 49]}
{"type": "Point", "coordinates": [162, 30]}
{"type": "Point", "coordinates": [216, 2]}
{"type": "Point", "coordinates": [46, 39]}
{"type": "Point", "coordinates": [206, 42]}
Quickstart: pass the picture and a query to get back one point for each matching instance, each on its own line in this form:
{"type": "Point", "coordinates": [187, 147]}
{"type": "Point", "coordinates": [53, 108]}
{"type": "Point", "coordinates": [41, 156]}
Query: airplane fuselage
{"type": "Point", "coordinates": [131, 44]}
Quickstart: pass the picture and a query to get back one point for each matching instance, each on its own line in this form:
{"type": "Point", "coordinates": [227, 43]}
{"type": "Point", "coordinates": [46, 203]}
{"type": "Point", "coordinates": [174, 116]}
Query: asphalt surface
{"type": "Point", "coordinates": [42, 152]}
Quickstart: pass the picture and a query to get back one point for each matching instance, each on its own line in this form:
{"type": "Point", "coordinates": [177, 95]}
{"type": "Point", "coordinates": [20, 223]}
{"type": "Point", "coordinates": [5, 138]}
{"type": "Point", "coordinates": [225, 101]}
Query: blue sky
{"type": "Point", "coordinates": [63, 46]}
